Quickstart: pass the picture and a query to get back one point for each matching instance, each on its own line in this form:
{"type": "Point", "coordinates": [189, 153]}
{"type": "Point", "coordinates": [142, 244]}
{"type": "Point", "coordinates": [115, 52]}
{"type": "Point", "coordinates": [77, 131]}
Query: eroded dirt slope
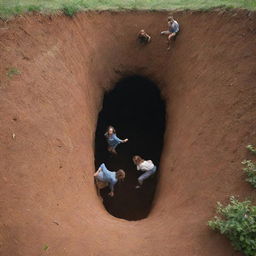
{"type": "Point", "coordinates": [48, 119]}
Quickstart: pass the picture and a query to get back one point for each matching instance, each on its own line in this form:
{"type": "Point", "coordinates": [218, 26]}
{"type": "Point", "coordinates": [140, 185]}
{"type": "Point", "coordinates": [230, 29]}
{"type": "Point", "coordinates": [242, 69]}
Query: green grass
{"type": "Point", "coordinates": [70, 7]}
{"type": "Point", "coordinates": [45, 247]}
{"type": "Point", "coordinates": [12, 72]}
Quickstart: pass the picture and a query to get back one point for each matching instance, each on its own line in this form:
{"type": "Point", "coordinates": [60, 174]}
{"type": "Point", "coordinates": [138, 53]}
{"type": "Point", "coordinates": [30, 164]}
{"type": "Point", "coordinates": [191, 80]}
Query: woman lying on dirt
{"type": "Point", "coordinates": [143, 37]}
{"type": "Point", "coordinates": [146, 166]}
{"type": "Point", "coordinates": [104, 178]}
{"type": "Point", "coordinates": [173, 30]}
{"type": "Point", "coordinates": [113, 140]}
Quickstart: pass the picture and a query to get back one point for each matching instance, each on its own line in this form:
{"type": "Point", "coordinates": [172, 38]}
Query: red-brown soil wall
{"type": "Point", "coordinates": [47, 189]}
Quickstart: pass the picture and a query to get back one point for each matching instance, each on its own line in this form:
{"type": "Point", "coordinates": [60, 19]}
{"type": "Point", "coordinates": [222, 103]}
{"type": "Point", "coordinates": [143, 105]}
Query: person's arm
{"type": "Point", "coordinates": [111, 186]}
{"type": "Point", "coordinates": [98, 171]}
{"type": "Point", "coordinates": [104, 170]}
{"type": "Point", "coordinates": [119, 140]}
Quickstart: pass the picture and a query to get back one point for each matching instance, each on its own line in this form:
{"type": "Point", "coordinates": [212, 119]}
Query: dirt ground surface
{"type": "Point", "coordinates": [48, 120]}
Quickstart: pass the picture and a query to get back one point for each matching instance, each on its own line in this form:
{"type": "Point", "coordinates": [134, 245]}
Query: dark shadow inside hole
{"type": "Point", "coordinates": [137, 111]}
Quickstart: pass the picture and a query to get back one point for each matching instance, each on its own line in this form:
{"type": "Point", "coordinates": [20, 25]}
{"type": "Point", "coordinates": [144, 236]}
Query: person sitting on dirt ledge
{"type": "Point", "coordinates": [173, 30]}
{"type": "Point", "coordinates": [142, 165]}
{"type": "Point", "coordinates": [104, 178]}
{"type": "Point", "coordinates": [113, 140]}
{"type": "Point", "coordinates": [143, 37]}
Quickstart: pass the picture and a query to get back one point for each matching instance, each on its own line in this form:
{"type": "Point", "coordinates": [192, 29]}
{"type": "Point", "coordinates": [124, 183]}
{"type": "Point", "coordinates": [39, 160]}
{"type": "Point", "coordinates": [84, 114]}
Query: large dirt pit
{"type": "Point", "coordinates": [135, 108]}
{"type": "Point", "coordinates": [54, 113]}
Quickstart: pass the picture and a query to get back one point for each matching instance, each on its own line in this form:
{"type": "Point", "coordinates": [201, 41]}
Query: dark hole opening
{"type": "Point", "coordinates": [137, 111]}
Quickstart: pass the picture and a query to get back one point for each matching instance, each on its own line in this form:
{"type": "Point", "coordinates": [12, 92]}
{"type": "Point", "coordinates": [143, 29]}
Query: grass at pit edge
{"type": "Point", "coordinates": [71, 7]}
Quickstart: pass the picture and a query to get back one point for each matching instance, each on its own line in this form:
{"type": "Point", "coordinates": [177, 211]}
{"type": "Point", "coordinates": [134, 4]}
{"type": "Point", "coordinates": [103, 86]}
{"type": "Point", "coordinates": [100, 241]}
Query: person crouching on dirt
{"type": "Point", "coordinates": [112, 140]}
{"type": "Point", "coordinates": [104, 178]}
{"type": "Point", "coordinates": [173, 30]}
{"type": "Point", "coordinates": [143, 37]}
{"type": "Point", "coordinates": [146, 166]}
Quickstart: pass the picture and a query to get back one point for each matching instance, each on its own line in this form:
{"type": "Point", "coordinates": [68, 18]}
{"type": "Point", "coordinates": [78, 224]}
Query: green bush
{"type": "Point", "coordinates": [250, 170]}
{"type": "Point", "coordinates": [70, 10]}
{"type": "Point", "coordinates": [250, 167]}
{"type": "Point", "coordinates": [237, 221]}
{"type": "Point", "coordinates": [251, 148]}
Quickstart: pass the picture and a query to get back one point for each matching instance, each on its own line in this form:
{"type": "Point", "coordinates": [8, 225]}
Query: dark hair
{"type": "Point", "coordinates": [137, 159]}
{"type": "Point", "coordinates": [110, 127]}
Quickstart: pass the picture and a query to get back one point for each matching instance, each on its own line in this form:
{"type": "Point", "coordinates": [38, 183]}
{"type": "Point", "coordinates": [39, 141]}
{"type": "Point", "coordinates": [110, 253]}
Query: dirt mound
{"type": "Point", "coordinates": [58, 70]}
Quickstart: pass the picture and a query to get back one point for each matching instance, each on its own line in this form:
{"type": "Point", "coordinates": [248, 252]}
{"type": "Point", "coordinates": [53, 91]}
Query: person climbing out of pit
{"type": "Point", "coordinates": [104, 178]}
{"type": "Point", "coordinates": [146, 166]}
{"type": "Point", "coordinates": [173, 30]}
{"type": "Point", "coordinates": [143, 37]}
{"type": "Point", "coordinates": [113, 140]}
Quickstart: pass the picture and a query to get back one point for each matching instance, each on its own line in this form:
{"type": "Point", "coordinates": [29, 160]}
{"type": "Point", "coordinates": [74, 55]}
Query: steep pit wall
{"type": "Point", "coordinates": [49, 114]}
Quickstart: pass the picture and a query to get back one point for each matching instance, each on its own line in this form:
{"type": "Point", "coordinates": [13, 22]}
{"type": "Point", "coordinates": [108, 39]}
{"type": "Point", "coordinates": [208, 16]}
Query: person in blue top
{"type": "Point", "coordinates": [173, 29]}
{"type": "Point", "coordinates": [104, 178]}
{"type": "Point", "coordinates": [113, 140]}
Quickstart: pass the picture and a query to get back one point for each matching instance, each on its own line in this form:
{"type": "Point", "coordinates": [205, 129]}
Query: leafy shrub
{"type": "Point", "coordinates": [237, 221]}
{"type": "Point", "coordinates": [250, 167]}
{"type": "Point", "coordinates": [70, 10]}
{"type": "Point", "coordinates": [250, 170]}
{"type": "Point", "coordinates": [251, 148]}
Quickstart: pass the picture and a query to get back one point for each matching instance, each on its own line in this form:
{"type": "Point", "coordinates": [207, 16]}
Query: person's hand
{"type": "Point", "coordinates": [96, 173]}
{"type": "Point", "coordinates": [125, 140]}
{"type": "Point", "coordinates": [111, 194]}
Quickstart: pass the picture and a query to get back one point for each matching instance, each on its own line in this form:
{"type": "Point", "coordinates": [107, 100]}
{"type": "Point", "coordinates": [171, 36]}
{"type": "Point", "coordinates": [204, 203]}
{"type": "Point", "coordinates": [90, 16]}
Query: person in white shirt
{"type": "Point", "coordinates": [146, 166]}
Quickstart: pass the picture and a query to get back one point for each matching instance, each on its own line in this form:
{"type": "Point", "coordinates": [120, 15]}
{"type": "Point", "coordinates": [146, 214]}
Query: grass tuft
{"type": "Point", "coordinates": [12, 72]}
{"type": "Point", "coordinates": [70, 10]}
{"type": "Point", "coordinates": [45, 247]}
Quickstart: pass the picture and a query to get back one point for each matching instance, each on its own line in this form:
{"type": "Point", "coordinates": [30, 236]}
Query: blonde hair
{"type": "Point", "coordinates": [170, 18]}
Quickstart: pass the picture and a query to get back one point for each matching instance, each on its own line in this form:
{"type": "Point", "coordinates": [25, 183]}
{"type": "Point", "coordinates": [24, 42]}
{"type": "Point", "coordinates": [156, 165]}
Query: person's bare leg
{"type": "Point", "coordinates": [98, 189]}
{"type": "Point", "coordinates": [169, 40]}
{"type": "Point", "coordinates": [113, 151]}
{"type": "Point", "coordinates": [166, 32]}
{"type": "Point", "coordinates": [140, 181]}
